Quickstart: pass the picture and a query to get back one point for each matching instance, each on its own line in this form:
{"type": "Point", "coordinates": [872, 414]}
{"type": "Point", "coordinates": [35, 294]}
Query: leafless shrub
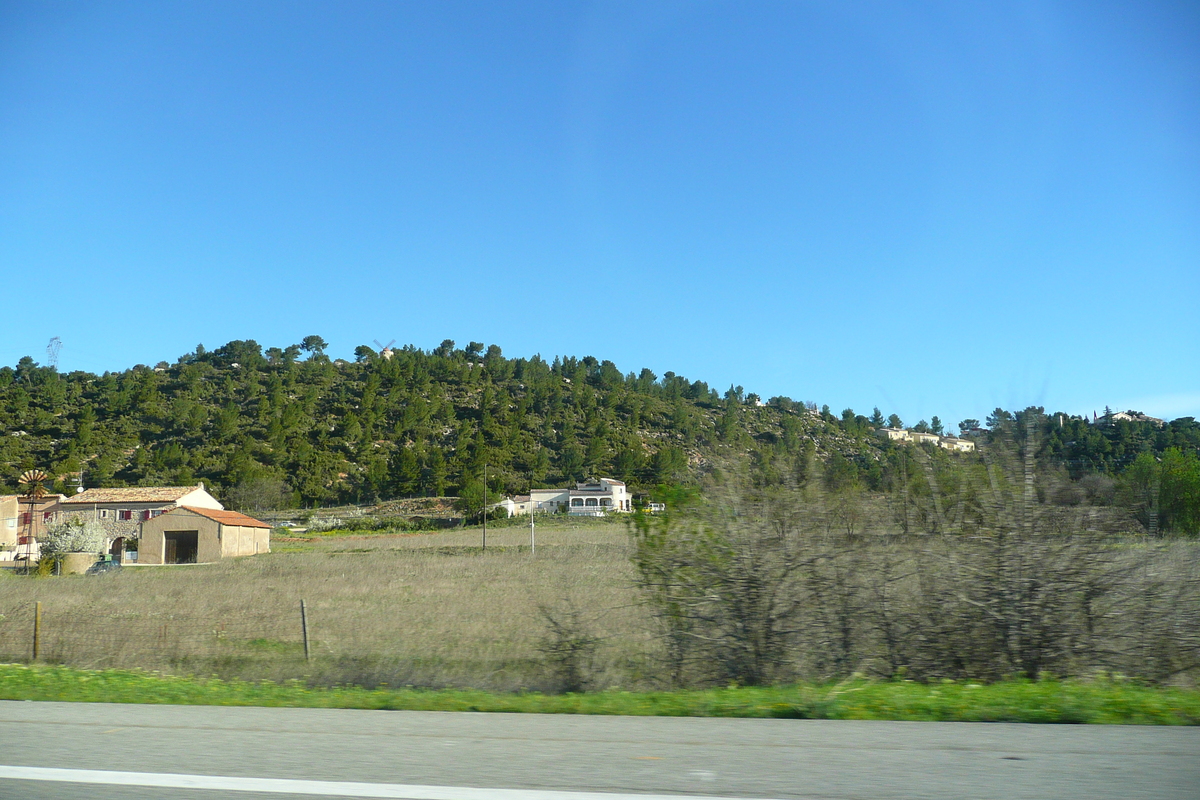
{"type": "Point", "coordinates": [724, 585]}
{"type": "Point", "coordinates": [568, 645]}
{"type": "Point", "coordinates": [977, 571]}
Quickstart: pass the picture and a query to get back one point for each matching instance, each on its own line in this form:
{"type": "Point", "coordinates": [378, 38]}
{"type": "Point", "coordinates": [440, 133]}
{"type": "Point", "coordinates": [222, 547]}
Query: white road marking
{"type": "Point", "coordinates": [324, 788]}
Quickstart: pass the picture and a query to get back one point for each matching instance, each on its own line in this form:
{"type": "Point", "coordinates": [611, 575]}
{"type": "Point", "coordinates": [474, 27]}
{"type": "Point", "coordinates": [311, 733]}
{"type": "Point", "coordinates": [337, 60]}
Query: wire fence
{"type": "Point", "coordinates": [103, 638]}
{"type": "Point", "coordinates": [280, 645]}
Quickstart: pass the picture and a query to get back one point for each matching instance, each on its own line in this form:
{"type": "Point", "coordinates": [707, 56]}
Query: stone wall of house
{"type": "Point", "coordinates": [112, 524]}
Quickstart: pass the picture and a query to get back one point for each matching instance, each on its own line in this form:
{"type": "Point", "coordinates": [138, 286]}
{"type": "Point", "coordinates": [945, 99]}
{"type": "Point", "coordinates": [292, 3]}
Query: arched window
{"type": "Point", "coordinates": [578, 501]}
{"type": "Point", "coordinates": [591, 501]}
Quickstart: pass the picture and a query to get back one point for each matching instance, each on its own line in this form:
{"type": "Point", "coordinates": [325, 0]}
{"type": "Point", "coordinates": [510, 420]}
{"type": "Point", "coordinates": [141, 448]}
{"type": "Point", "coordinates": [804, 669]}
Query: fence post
{"type": "Point", "coordinates": [304, 626]}
{"type": "Point", "coordinates": [37, 629]}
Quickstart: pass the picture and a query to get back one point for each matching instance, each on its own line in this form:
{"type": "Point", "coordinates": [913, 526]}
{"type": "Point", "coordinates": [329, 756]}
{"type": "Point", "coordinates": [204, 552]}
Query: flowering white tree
{"type": "Point", "coordinates": [74, 536]}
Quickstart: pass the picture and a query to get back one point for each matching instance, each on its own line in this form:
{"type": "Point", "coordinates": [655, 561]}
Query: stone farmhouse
{"type": "Point", "coordinates": [917, 437]}
{"type": "Point", "coordinates": [123, 511]}
{"type": "Point", "coordinates": [124, 514]}
{"type": "Point", "coordinates": [194, 525]}
{"type": "Point", "coordinates": [588, 499]}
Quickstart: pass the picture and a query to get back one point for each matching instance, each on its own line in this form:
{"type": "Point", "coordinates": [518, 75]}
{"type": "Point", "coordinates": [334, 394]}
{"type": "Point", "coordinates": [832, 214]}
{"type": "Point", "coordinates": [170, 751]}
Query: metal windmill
{"type": "Point", "coordinates": [32, 482]}
{"type": "Point", "coordinates": [385, 350]}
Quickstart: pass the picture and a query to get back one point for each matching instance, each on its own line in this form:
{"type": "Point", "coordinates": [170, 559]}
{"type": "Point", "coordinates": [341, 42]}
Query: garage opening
{"type": "Point", "coordinates": [179, 547]}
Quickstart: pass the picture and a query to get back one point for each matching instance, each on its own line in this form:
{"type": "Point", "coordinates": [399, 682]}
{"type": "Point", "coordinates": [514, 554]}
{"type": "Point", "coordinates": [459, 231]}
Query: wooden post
{"type": "Point", "coordinates": [304, 627]}
{"type": "Point", "coordinates": [37, 630]}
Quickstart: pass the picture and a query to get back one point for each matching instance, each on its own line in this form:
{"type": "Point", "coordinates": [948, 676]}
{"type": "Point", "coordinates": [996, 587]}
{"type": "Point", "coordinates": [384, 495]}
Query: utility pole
{"type": "Point", "coordinates": [485, 506]}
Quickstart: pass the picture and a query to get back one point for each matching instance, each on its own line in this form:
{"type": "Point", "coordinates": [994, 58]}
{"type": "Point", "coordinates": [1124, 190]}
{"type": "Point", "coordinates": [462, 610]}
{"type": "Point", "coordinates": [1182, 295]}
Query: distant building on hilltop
{"type": "Point", "coordinates": [1131, 416]}
{"type": "Point", "coordinates": [917, 437]}
{"type": "Point", "coordinates": [893, 434]}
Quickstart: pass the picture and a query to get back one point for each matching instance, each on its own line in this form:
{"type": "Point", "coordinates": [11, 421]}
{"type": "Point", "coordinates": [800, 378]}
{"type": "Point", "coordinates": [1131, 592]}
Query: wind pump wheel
{"type": "Point", "coordinates": [33, 481]}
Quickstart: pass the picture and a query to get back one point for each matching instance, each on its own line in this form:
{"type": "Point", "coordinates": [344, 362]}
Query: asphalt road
{"type": "Point", "coordinates": [624, 755]}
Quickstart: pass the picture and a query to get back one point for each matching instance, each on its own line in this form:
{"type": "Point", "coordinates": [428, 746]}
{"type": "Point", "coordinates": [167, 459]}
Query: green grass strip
{"type": "Point", "coordinates": [1099, 701]}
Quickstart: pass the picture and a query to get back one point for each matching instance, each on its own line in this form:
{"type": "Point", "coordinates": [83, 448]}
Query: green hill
{"type": "Point", "coordinates": [417, 423]}
{"type": "Point", "coordinates": [289, 425]}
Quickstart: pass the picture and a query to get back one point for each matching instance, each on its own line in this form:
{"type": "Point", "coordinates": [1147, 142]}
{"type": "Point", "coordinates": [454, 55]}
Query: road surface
{"type": "Point", "coordinates": [81, 750]}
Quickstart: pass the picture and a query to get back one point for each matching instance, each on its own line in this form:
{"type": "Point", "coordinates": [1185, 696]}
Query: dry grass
{"type": "Point", "coordinates": [432, 610]}
{"type": "Point", "coordinates": [426, 610]}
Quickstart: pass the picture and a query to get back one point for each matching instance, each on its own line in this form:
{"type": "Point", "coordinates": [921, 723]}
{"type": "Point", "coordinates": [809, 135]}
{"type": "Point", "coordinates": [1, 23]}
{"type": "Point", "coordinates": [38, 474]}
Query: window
{"type": "Point", "coordinates": [591, 501]}
{"type": "Point", "coordinates": [577, 502]}
{"type": "Point", "coordinates": [155, 513]}
{"type": "Point", "coordinates": [104, 513]}
{"type": "Point", "coordinates": [604, 501]}
{"type": "Point", "coordinates": [47, 516]}
{"type": "Point", "coordinates": [124, 515]}
{"type": "Point", "coordinates": [26, 518]}
{"type": "Point", "coordinates": [146, 515]}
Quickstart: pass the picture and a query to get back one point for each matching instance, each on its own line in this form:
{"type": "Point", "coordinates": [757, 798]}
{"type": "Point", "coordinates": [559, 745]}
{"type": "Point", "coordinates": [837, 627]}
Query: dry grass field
{"type": "Point", "coordinates": [426, 609]}
{"type": "Point", "coordinates": [752, 605]}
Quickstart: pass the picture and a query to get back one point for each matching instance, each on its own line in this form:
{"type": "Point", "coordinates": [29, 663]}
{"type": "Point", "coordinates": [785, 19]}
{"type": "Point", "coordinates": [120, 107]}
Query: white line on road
{"type": "Point", "coordinates": [323, 788]}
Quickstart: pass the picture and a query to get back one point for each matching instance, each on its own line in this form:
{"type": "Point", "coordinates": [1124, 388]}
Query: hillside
{"type": "Point", "coordinates": [289, 426]}
{"type": "Point", "coordinates": [415, 423]}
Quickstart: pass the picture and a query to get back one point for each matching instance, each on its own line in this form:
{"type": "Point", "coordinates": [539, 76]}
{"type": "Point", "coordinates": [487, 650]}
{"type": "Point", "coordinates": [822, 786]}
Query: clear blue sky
{"type": "Point", "coordinates": [936, 208]}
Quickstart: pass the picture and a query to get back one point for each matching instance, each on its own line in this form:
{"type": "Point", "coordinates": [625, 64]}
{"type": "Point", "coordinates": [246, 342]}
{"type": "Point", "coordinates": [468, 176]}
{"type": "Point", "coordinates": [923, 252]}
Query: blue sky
{"type": "Point", "coordinates": [936, 208]}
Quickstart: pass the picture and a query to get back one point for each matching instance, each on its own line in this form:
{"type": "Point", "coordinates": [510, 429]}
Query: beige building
{"type": "Point", "coordinates": [893, 434]}
{"type": "Point", "coordinates": [9, 533]}
{"type": "Point", "coordinates": [9, 519]}
{"type": "Point", "coordinates": [517, 504]}
{"type": "Point", "coordinates": [949, 442]}
{"type": "Point", "coordinates": [191, 535]}
{"type": "Point", "coordinates": [21, 523]}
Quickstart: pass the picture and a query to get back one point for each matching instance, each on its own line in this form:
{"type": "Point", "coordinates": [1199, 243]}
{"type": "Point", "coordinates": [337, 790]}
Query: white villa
{"type": "Point", "coordinates": [588, 499]}
{"type": "Point", "coordinates": [1132, 416]}
{"type": "Point", "coordinates": [948, 442]}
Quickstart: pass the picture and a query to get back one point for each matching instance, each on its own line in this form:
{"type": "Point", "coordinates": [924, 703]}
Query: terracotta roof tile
{"type": "Point", "coordinates": [132, 494]}
{"type": "Point", "coordinates": [226, 517]}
